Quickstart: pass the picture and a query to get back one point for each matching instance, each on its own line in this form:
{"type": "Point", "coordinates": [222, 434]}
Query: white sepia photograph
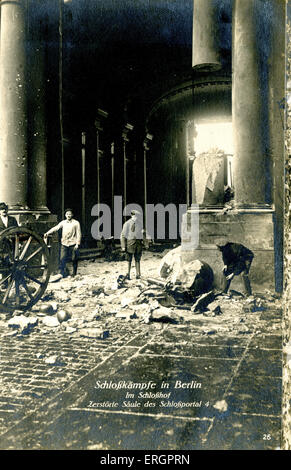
{"type": "Point", "coordinates": [145, 206]}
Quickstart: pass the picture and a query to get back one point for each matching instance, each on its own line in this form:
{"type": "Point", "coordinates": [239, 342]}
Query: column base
{"type": "Point", "coordinates": [251, 227]}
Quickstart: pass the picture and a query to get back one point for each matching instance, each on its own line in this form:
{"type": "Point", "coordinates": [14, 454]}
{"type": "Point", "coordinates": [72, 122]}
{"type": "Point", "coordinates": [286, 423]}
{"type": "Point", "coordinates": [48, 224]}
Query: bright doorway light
{"type": "Point", "coordinates": [213, 135]}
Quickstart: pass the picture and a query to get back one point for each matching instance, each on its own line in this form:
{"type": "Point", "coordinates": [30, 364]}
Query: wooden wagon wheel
{"type": "Point", "coordinates": [24, 268]}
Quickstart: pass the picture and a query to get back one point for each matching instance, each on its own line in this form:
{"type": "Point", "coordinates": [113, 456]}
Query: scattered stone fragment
{"type": "Point", "coordinates": [210, 332]}
{"type": "Point", "coordinates": [50, 321]}
{"type": "Point", "coordinates": [235, 293]}
{"type": "Point", "coordinates": [12, 333]}
{"type": "Point", "coordinates": [54, 306]}
{"type": "Point", "coordinates": [164, 315]}
{"type": "Point", "coordinates": [126, 301]}
{"type": "Point", "coordinates": [202, 302]}
{"type": "Point", "coordinates": [221, 406]}
{"type": "Point", "coordinates": [54, 360]}
{"type": "Point", "coordinates": [17, 313]}
{"type": "Point", "coordinates": [126, 314]}
{"type": "Point", "coordinates": [63, 315]}
{"type": "Point", "coordinates": [97, 333]}
{"type": "Point", "coordinates": [70, 329]}
{"type": "Point", "coordinates": [22, 323]}
{"type": "Point", "coordinates": [216, 310]}
{"type": "Point", "coordinates": [97, 290]}
{"type": "Point", "coordinates": [56, 278]}
{"type": "Point", "coordinates": [46, 308]}
{"type": "Point", "coordinates": [146, 317]}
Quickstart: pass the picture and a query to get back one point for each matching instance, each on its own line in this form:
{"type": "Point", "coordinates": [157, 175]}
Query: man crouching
{"type": "Point", "coordinates": [237, 260]}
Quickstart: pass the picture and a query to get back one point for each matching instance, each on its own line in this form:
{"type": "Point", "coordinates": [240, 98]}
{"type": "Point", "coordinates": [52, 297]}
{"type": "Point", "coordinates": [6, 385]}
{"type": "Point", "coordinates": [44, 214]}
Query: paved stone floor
{"type": "Point", "coordinates": [213, 382]}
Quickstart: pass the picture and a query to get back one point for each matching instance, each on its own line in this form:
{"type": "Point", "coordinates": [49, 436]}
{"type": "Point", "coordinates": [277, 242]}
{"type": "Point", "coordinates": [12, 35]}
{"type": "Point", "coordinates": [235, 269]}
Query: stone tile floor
{"type": "Point", "coordinates": [230, 366]}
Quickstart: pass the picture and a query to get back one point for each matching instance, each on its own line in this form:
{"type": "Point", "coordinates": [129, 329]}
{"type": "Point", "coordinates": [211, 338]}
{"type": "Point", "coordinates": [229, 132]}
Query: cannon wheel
{"type": "Point", "coordinates": [24, 269]}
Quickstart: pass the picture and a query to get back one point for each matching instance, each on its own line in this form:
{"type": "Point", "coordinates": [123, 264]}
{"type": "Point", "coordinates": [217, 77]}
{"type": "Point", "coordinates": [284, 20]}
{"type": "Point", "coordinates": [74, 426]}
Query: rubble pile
{"type": "Point", "coordinates": [94, 303]}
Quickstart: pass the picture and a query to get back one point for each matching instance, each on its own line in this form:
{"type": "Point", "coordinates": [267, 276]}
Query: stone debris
{"type": "Point", "coordinates": [194, 275]}
{"type": "Point", "coordinates": [46, 308]}
{"type": "Point", "coordinates": [22, 323]}
{"type": "Point", "coordinates": [127, 314]}
{"type": "Point", "coordinates": [105, 299]}
{"type": "Point", "coordinates": [202, 302]}
{"type": "Point", "coordinates": [221, 406]}
{"type": "Point", "coordinates": [51, 322]}
{"type": "Point", "coordinates": [55, 360]}
{"type": "Point", "coordinates": [97, 333]}
{"type": "Point", "coordinates": [70, 329]}
{"type": "Point", "coordinates": [55, 278]}
{"type": "Point", "coordinates": [63, 315]}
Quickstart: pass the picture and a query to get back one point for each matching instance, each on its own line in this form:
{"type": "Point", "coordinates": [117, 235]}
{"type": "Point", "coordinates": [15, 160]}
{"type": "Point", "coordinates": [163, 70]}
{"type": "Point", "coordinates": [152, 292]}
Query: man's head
{"type": "Point", "coordinates": [69, 214]}
{"type": "Point", "coordinates": [3, 209]}
{"type": "Point", "coordinates": [135, 214]}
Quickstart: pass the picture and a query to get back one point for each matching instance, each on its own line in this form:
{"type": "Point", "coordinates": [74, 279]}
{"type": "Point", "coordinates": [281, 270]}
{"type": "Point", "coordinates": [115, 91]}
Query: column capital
{"type": "Point", "coordinates": [101, 115]}
{"type": "Point", "coordinates": [148, 138]}
{"type": "Point", "coordinates": [125, 130]}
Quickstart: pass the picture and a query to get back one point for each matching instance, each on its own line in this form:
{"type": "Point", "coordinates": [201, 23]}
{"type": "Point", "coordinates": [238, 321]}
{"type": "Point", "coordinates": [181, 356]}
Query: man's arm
{"type": "Point", "coordinates": [123, 237]}
{"type": "Point", "coordinates": [79, 234]}
{"type": "Point", "coordinates": [53, 229]}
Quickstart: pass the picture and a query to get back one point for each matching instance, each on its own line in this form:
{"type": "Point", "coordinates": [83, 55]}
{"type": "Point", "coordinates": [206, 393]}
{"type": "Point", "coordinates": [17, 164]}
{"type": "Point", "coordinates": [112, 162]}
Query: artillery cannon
{"type": "Point", "coordinates": [24, 268]}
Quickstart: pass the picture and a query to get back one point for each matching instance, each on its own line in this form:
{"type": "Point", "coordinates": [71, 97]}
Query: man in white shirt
{"type": "Point", "coordinates": [70, 241]}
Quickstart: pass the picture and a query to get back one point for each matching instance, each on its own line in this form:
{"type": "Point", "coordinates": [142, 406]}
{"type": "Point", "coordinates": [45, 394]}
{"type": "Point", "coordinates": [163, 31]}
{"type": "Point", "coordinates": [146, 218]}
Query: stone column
{"type": "Point", "coordinates": [37, 128]}
{"type": "Point", "coordinates": [128, 127]}
{"type": "Point", "coordinates": [98, 125]}
{"type": "Point", "coordinates": [249, 104]}
{"type": "Point", "coordinates": [112, 175]}
{"type": "Point", "coordinates": [83, 156]}
{"type": "Point", "coordinates": [13, 115]}
{"type": "Point", "coordinates": [206, 54]}
{"type": "Point", "coordinates": [147, 140]}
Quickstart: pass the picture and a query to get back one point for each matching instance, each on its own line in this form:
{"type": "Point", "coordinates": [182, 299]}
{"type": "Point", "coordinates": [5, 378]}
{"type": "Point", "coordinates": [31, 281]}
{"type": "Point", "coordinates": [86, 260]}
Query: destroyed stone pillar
{"type": "Point", "coordinates": [206, 47]}
{"type": "Point", "coordinates": [249, 102]}
{"type": "Point", "coordinates": [13, 106]}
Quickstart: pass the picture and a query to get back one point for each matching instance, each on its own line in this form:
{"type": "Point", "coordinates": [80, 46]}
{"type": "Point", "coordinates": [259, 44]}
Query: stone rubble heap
{"type": "Point", "coordinates": [91, 306]}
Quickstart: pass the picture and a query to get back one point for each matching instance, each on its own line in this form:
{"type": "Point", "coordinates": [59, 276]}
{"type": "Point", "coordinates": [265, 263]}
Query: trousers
{"type": "Point", "coordinates": [68, 254]}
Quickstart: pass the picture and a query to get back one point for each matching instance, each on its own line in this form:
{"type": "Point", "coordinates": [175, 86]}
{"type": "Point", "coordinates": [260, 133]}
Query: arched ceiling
{"type": "Point", "coordinates": [121, 54]}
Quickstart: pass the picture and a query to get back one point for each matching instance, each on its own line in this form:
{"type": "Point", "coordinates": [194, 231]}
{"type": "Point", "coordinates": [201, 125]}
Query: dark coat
{"type": "Point", "coordinates": [236, 257]}
{"type": "Point", "coordinates": [12, 222]}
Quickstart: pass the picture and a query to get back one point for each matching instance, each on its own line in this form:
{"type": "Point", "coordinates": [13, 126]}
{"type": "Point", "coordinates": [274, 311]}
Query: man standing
{"type": "Point", "coordinates": [237, 260]}
{"type": "Point", "coordinates": [5, 219]}
{"type": "Point", "coordinates": [70, 241]}
{"type": "Point", "coordinates": [131, 241]}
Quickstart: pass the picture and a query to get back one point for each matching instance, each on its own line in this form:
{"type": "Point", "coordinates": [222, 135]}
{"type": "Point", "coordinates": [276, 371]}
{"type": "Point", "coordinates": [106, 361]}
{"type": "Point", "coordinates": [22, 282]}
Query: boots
{"type": "Point", "coordinates": [247, 284]}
